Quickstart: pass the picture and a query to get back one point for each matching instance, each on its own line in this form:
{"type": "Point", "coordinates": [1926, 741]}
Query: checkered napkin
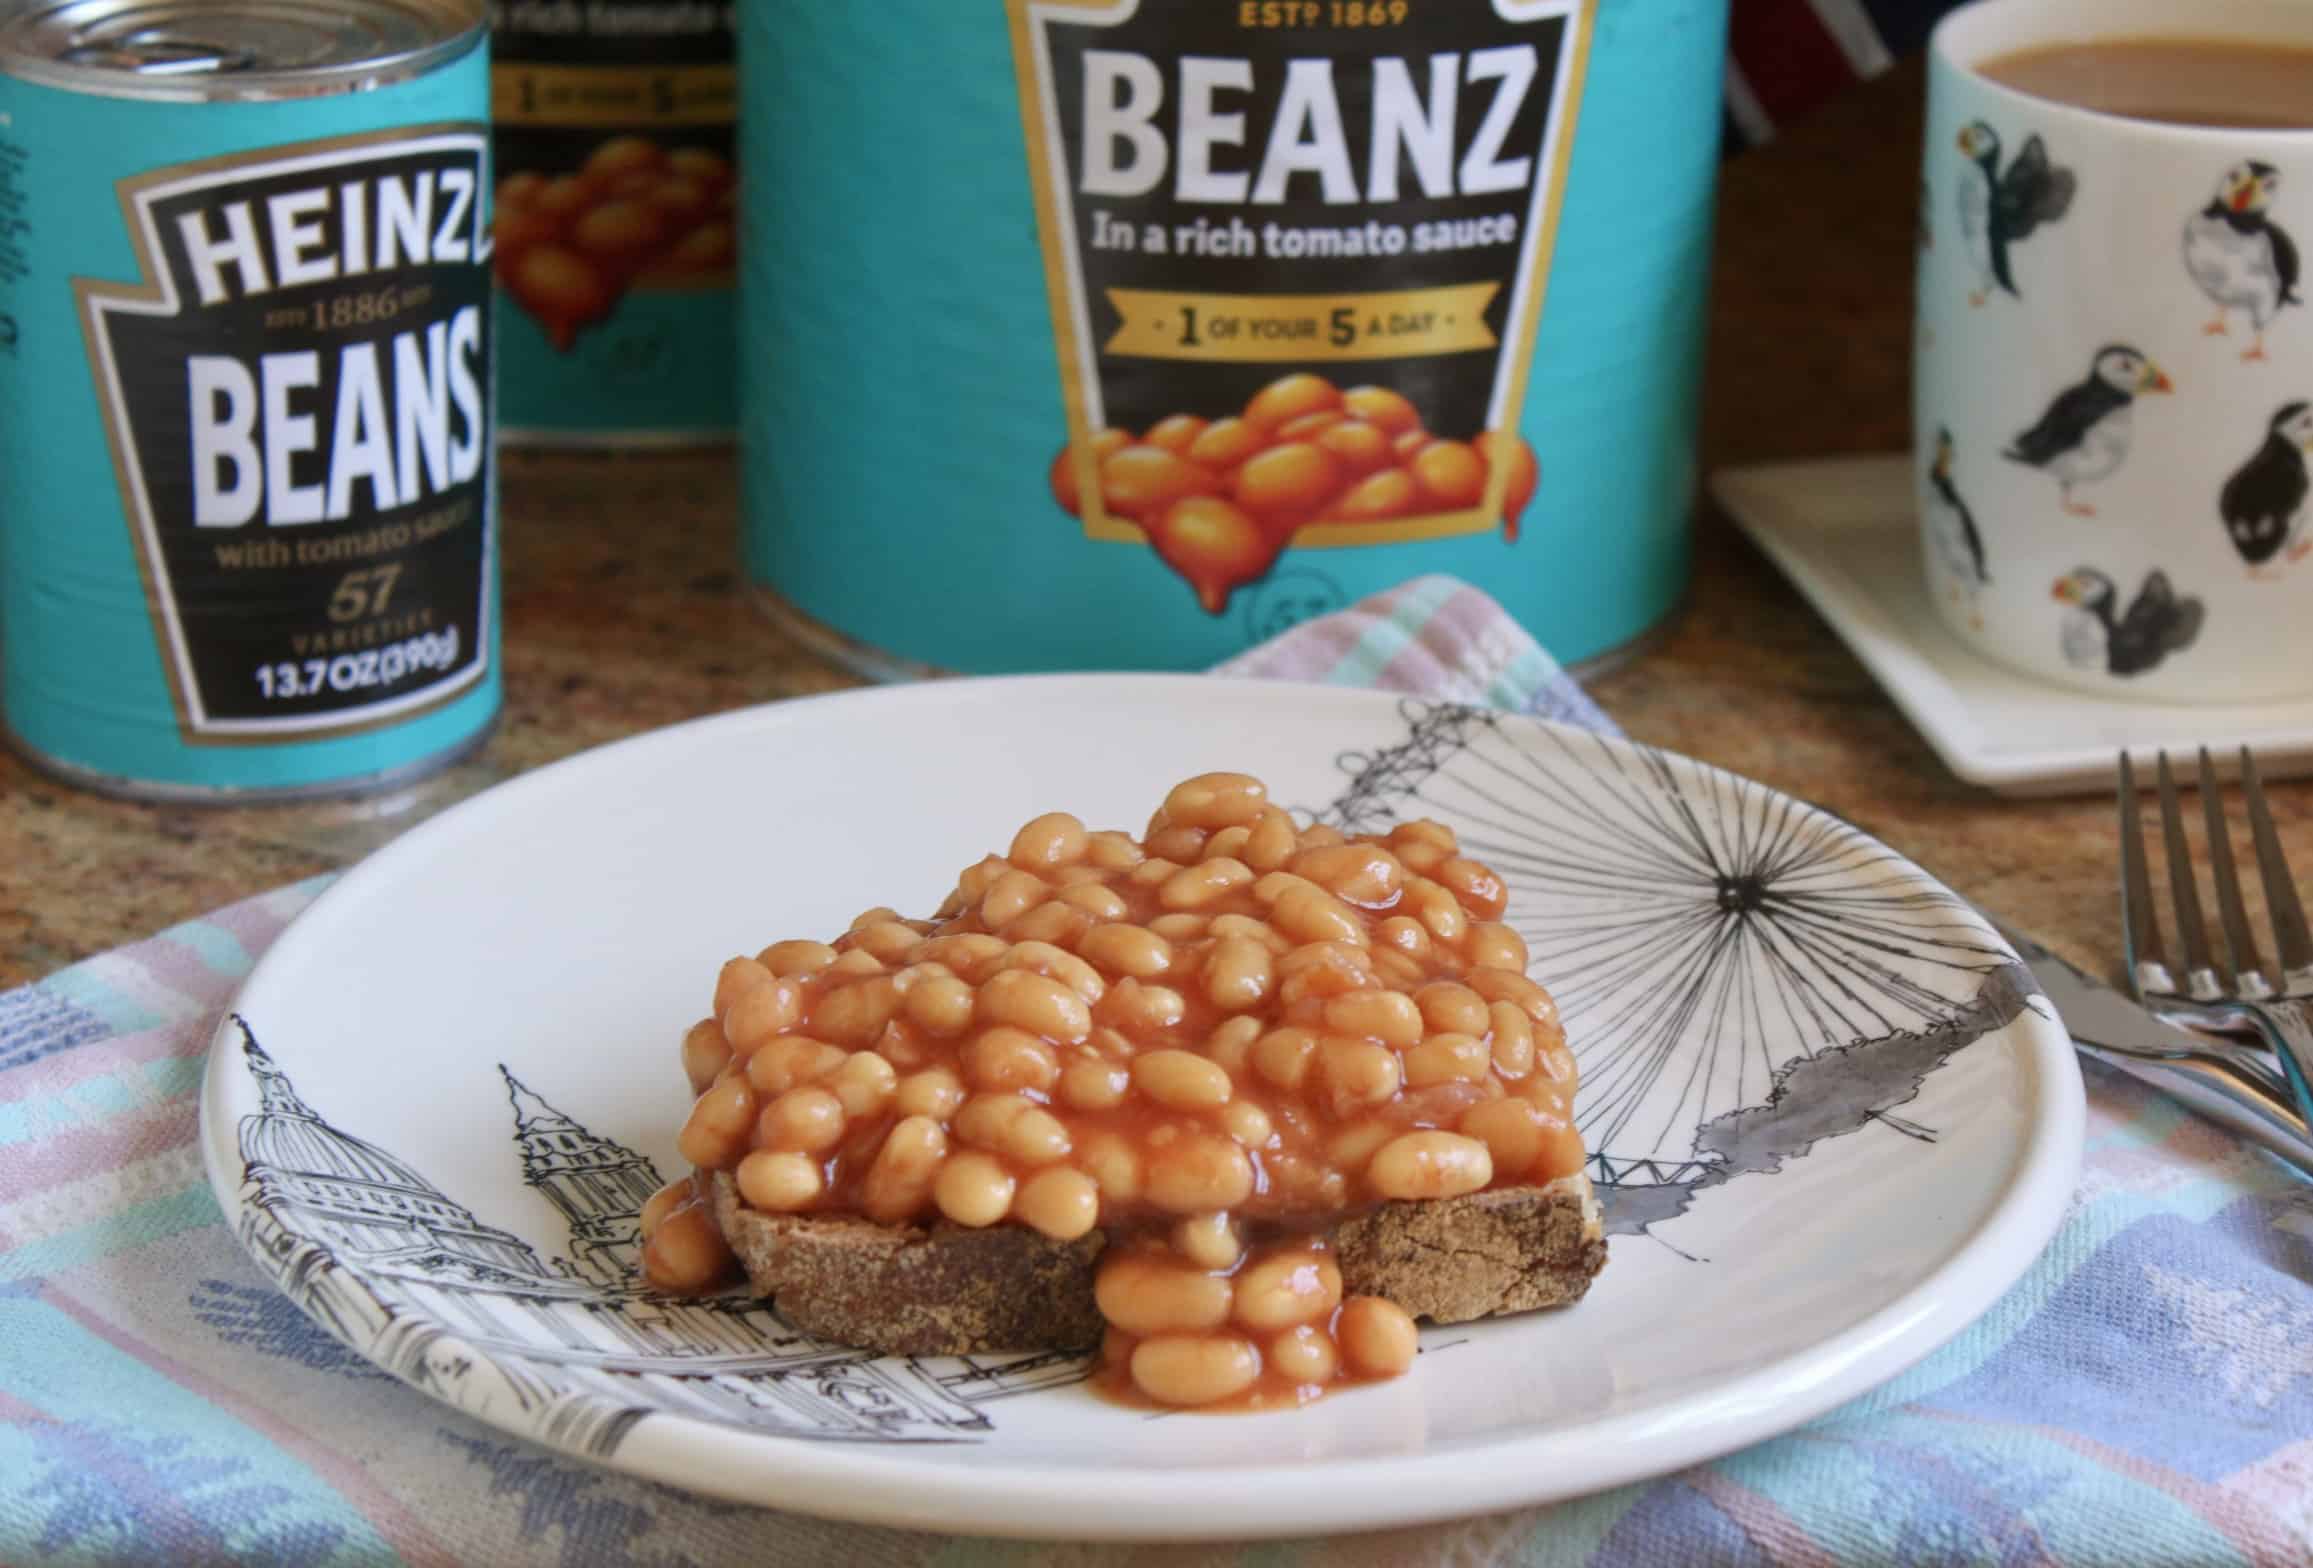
{"type": "Point", "coordinates": [2144, 1395]}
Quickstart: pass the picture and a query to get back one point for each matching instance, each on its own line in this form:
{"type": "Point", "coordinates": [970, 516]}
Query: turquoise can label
{"type": "Point", "coordinates": [249, 541]}
{"type": "Point", "coordinates": [1123, 333]}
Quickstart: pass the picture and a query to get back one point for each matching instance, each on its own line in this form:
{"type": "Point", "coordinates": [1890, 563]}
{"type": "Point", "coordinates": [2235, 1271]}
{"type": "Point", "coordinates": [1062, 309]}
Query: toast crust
{"type": "Point", "coordinates": [946, 1290]}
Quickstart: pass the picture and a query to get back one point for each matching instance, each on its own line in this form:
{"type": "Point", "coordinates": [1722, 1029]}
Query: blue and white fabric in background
{"type": "Point", "coordinates": [2144, 1396]}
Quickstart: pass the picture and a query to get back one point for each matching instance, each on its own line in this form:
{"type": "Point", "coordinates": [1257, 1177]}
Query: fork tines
{"type": "Point", "coordinates": [2240, 973]}
{"type": "Point", "coordinates": [2147, 959]}
{"type": "Point", "coordinates": [2290, 936]}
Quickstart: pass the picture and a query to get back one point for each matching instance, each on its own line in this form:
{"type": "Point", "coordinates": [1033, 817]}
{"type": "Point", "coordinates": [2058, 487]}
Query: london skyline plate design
{"type": "Point", "coordinates": [1829, 1118]}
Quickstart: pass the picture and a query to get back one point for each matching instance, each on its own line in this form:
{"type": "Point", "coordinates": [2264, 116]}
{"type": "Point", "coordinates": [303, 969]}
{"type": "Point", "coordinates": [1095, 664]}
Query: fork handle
{"type": "Point", "coordinates": [2286, 1025]}
{"type": "Point", "coordinates": [2293, 1043]}
{"type": "Point", "coordinates": [2217, 1089]}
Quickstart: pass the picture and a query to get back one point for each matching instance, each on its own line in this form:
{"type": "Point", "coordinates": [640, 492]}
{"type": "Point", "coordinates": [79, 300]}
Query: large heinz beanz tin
{"type": "Point", "coordinates": [247, 536]}
{"type": "Point", "coordinates": [1129, 332]}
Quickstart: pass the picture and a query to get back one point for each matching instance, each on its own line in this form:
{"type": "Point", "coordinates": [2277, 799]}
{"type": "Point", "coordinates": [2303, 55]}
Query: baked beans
{"type": "Point", "coordinates": [1054, 920]}
{"type": "Point", "coordinates": [899, 1179]}
{"type": "Point", "coordinates": [1364, 874]}
{"type": "Point", "coordinates": [789, 1060]}
{"type": "Point", "coordinates": [1060, 1202]}
{"type": "Point", "coordinates": [1052, 840]}
{"type": "Point", "coordinates": [1513, 1131]}
{"type": "Point", "coordinates": [1238, 972]}
{"type": "Point", "coordinates": [1182, 926]}
{"type": "Point", "coordinates": [1181, 1080]}
{"type": "Point", "coordinates": [1248, 1124]}
{"type": "Point", "coordinates": [706, 1052]}
{"type": "Point", "coordinates": [1094, 1085]}
{"type": "Point", "coordinates": [864, 1083]}
{"type": "Point", "coordinates": [716, 1133]}
{"type": "Point", "coordinates": [682, 1250]}
{"type": "Point", "coordinates": [1430, 1165]}
{"type": "Point", "coordinates": [737, 977]}
{"type": "Point", "coordinates": [807, 1120]}
{"type": "Point", "coordinates": [1203, 1369]}
{"type": "Point", "coordinates": [1143, 1011]}
{"type": "Point", "coordinates": [1231, 1045]}
{"type": "Point", "coordinates": [1449, 1007]}
{"type": "Point", "coordinates": [1388, 1016]}
{"type": "Point", "coordinates": [1142, 1291]}
{"type": "Point", "coordinates": [1096, 900]}
{"type": "Point", "coordinates": [1010, 896]}
{"type": "Point", "coordinates": [761, 1012]}
{"type": "Point", "coordinates": [1376, 1336]}
{"type": "Point", "coordinates": [1199, 1172]}
{"type": "Point", "coordinates": [1208, 1041]}
{"type": "Point", "coordinates": [1358, 1075]}
{"type": "Point", "coordinates": [779, 1183]}
{"type": "Point", "coordinates": [1287, 1288]}
{"type": "Point", "coordinates": [1035, 1004]}
{"type": "Point", "coordinates": [1008, 1058]}
{"type": "Point", "coordinates": [1513, 1040]}
{"type": "Point", "coordinates": [1209, 1241]}
{"type": "Point", "coordinates": [1404, 935]}
{"type": "Point", "coordinates": [1304, 1354]}
{"type": "Point", "coordinates": [795, 958]}
{"type": "Point", "coordinates": [974, 1189]}
{"type": "Point", "coordinates": [935, 1092]}
{"type": "Point", "coordinates": [1447, 1058]}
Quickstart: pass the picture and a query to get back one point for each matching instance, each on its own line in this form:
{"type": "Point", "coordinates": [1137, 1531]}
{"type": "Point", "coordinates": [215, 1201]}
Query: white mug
{"type": "Point", "coordinates": [2112, 393]}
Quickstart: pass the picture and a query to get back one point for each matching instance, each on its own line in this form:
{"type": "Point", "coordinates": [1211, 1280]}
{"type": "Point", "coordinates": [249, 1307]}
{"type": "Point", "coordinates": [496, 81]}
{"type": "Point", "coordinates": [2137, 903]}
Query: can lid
{"type": "Point", "coordinates": [231, 49]}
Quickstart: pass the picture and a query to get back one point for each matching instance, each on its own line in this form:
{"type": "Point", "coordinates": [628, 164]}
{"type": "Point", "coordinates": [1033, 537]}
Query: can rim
{"type": "Point", "coordinates": [460, 26]}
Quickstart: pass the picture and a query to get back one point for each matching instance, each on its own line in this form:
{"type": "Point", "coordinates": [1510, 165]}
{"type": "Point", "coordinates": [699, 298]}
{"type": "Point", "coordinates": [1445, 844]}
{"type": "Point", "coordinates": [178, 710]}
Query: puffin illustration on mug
{"type": "Point", "coordinates": [2263, 503]}
{"type": "Point", "coordinates": [2239, 257]}
{"type": "Point", "coordinates": [2097, 635]}
{"type": "Point", "coordinates": [1999, 207]}
{"type": "Point", "coordinates": [1952, 525]}
{"type": "Point", "coordinates": [2084, 434]}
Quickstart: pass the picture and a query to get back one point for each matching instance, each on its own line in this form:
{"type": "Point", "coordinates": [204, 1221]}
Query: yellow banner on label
{"type": "Point", "coordinates": [1404, 324]}
{"type": "Point", "coordinates": [614, 94]}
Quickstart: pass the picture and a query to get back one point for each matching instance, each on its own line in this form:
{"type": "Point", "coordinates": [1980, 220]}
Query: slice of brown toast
{"type": "Point", "coordinates": [946, 1290]}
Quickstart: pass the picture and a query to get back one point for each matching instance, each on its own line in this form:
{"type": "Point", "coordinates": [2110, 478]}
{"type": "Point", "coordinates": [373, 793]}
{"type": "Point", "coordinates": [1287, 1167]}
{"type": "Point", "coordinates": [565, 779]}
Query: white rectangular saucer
{"type": "Point", "coordinates": [1842, 530]}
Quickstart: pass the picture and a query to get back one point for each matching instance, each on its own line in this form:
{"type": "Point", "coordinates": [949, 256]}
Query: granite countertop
{"type": "Point", "coordinates": [623, 612]}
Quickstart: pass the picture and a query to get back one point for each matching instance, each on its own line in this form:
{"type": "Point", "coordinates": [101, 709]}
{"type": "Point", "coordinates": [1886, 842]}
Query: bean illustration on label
{"type": "Point", "coordinates": [613, 132]}
{"type": "Point", "coordinates": [296, 393]}
{"type": "Point", "coordinates": [1295, 262]}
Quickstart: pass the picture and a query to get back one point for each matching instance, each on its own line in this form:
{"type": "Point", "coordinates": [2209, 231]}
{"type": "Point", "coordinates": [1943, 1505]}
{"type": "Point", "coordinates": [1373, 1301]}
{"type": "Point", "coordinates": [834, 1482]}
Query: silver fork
{"type": "Point", "coordinates": [2236, 995]}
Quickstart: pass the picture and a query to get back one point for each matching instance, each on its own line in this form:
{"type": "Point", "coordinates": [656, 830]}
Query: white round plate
{"type": "Point", "coordinates": [1829, 1116]}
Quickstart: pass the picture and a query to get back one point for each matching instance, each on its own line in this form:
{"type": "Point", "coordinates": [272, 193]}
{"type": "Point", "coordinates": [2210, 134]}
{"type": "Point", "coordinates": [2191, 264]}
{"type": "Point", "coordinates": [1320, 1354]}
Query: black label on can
{"type": "Point", "coordinates": [1268, 218]}
{"type": "Point", "coordinates": [298, 398]}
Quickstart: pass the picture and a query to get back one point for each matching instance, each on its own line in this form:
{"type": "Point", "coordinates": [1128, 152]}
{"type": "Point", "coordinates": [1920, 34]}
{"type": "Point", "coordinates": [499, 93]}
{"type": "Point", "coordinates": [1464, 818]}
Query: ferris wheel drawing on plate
{"type": "Point", "coordinates": [1741, 975]}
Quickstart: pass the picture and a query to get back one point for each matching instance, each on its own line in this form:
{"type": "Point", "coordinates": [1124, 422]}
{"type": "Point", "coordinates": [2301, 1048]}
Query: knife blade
{"type": "Point", "coordinates": [2223, 1080]}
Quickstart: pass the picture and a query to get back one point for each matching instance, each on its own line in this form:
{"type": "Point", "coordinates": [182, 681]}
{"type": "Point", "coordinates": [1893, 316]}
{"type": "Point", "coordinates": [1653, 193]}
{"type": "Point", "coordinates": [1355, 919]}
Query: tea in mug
{"type": "Point", "coordinates": [2225, 82]}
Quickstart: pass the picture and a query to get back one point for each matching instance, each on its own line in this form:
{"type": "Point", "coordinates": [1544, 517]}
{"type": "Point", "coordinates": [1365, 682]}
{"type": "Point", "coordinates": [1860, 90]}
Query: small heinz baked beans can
{"type": "Point", "coordinates": [616, 221]}
{"type": "Point", "coordinates": [245, 361]}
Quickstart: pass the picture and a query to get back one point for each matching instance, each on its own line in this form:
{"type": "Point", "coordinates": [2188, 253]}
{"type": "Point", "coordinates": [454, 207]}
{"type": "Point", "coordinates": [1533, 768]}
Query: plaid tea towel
{"type": "Point", "coordinates": [2143, 1396]}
